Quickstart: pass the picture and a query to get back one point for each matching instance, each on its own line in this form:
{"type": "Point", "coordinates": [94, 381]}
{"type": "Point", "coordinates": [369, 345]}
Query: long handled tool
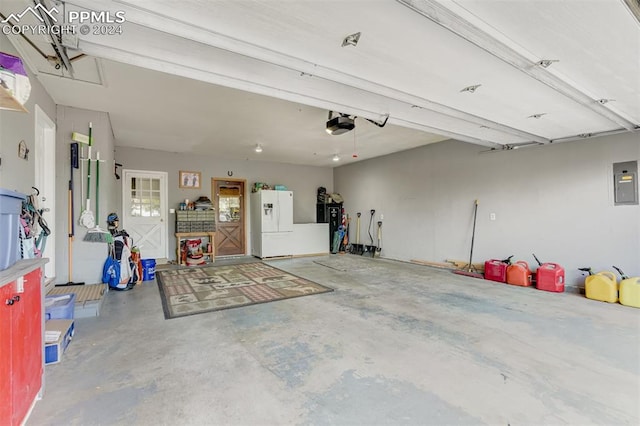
{"type": "Point", "coordinates": [469, 270]}
{"type": "Point", "coordinates": [370, 249]}
{"type": "Point", "coordinates": [357, 247]}
{"type": "Point", "coordinates": [97, 234]}
{"type": "Point", "coordinates": [87, 218]}
{"type": "Point", "coordinates": [73, 162]}
{"type": "Point", "coordinates": [379, 248]}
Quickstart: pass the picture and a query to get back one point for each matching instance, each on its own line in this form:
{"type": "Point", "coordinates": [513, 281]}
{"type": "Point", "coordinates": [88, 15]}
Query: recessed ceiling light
{"type": "Point", "coordinates": [537, 116]}
{"type": "Point", "coordinates": [336, 158]}
{"type": "Point", "coordinates": [351, 40]}
{"type": "Point", "coordinates": [546, 63]}
{"type": "Point", "coordinates": [258, 148]}
{"type": "Point", "coordinates": [471, 89]}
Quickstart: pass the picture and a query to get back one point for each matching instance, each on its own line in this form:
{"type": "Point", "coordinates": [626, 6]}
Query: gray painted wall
{"type": "Point", "coordinates": [88, 257]}
{"type": "Point", "coordinates": [17, 174]}
{"type": "Point", "coordinates": [302, 180]}
{"type": "Point", "coordinates": [555, 201]}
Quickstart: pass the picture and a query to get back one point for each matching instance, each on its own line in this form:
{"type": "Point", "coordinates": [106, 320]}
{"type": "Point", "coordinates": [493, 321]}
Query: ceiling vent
{"type": "Point", "coordinates": [340, 124]}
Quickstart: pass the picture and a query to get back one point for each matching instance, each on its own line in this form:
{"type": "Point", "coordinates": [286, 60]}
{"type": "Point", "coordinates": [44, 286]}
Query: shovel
{"type": "Point", "coordinates": [357, 247]}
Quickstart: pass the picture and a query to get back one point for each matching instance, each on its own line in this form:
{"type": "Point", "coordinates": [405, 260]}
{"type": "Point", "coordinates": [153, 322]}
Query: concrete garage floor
{"type": "Point", "coordinates": [396, 343]}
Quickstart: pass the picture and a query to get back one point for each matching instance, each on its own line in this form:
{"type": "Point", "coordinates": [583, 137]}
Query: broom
{"type": "Point", "coordinates": [468, 269]}
{"type": "Point", "coordinates": [86, 217]}
{"type": "Point", "coordinates": [97, 234]}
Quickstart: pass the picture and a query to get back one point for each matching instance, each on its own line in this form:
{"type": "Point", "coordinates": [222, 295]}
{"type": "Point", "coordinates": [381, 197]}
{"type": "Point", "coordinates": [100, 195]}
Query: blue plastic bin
{"type": "Point", "coordinates": [148, 269]}
{"type": "Point", "coordinates": [59, 306]}
{"type": "Point", "coordinates": [10, 208]}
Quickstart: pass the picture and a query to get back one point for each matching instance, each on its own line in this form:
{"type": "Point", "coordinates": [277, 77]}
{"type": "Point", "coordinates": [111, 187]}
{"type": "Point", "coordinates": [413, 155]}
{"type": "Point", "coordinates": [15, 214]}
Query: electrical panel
{"type": "Point", "coordinates": [625, 183]}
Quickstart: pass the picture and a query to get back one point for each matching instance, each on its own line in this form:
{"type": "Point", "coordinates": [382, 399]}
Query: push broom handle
{"type": "Point", "coordinates": [473, 234]}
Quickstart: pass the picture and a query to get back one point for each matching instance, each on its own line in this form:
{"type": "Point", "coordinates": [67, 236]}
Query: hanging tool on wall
{"type": "Point", "coordinates": [379, 249]}
{"type": "Point", "coordinates": [73, 163]}
{"type": "Point", "coordinates": [97, 234]}
{"type": "Point", "coordinates": [87, 218]}
{"type": "Point", "coordinates": [357, 247]}
{"type": "Point", "coordinates": [370, 249]}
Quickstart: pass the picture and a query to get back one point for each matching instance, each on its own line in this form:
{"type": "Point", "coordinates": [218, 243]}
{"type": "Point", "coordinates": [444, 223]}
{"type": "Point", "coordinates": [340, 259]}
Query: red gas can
{"type": "Point", "coordinates": [495, 270]}
{"type": "Point", "coordinates": [550, 277]}
{"type": "Point", "coordinates": [519, 274]}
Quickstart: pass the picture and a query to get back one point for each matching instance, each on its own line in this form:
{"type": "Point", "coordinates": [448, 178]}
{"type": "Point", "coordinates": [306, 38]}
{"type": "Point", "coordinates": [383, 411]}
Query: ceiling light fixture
{"type": "Point", "coordinates": [471, 89]}
{"type": "Point", "coordinates": [336, 157]}
{"type": "Point", "coordinates": [258, 148]}
{"type": "Point", "coordinates": [546, 63]}
{"type": "Point", "coordinates": [351, 40]}
{"type": "Point", "coordinates": [537, 116]}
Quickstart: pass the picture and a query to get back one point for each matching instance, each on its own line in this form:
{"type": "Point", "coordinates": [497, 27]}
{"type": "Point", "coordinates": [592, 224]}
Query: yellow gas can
{"type": "Point", "coordinates": [602, 286]}
{"type": "Point", "coordinates": [630, 292]}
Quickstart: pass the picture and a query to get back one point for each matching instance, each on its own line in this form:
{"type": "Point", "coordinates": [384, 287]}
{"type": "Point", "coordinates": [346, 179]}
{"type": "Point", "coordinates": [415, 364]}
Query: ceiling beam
{"type": "Point", "coordinates": [150, 18]}
{"type": "Point", "coordinates": [453, 21]}
{"type": "Point", "coordinates": [634, 7]}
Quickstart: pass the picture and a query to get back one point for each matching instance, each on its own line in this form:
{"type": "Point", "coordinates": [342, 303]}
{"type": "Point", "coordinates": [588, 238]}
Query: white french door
{"type": "Point", "coordinates": [144, 211]}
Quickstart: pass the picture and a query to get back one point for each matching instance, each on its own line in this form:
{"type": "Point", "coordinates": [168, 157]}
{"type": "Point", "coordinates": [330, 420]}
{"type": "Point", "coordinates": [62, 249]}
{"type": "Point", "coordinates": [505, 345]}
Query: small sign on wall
{"type": "Point", "coordinates": [625, 183]}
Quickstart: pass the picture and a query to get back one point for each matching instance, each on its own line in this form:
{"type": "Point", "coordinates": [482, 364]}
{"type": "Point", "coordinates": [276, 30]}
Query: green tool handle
{"type": "Point", "coordinates": [87, 206]}
{"type": "Point", "coordinates": [97, 187]}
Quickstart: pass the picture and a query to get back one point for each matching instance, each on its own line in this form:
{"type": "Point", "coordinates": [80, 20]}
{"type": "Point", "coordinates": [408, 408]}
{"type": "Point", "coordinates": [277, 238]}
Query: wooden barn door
{"type": "Point", "coordinates": [228, 199]}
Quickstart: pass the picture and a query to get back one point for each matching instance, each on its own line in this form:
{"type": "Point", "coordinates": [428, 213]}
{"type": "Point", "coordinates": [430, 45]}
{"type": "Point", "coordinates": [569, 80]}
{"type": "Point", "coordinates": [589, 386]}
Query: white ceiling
{"type": "Point", "coordinates": [222, 76]}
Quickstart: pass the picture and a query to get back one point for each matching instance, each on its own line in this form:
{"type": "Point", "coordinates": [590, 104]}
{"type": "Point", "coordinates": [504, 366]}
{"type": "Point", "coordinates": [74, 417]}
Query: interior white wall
{"type": "Point", "coordinates": [88, 257]}
{"type": "Point", "coordinates": [555, 201]}
{"type": "Point", "coordinates": [17, 174]}
{"type": "Point", "coordinates": [302, 180]}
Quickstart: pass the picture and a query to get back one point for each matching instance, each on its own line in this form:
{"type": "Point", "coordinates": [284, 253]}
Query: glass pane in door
{"type": "Point", "coordinates": [229, 204]}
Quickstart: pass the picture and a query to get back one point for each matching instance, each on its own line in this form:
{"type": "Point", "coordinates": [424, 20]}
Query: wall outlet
{"type": "Point", "coordinates": [381, 216]}
{"type": "Point", "coordinates": [492, 216]}
{"type": "Point", "coordinates": [20, 285]}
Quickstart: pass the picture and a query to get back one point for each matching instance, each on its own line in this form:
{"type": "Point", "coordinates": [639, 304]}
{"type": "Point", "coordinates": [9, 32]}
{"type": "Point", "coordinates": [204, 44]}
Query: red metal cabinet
{"type": "Point", "coordinates": [21, 343]}
{"type": "Point", "coordinates": [6, 404]}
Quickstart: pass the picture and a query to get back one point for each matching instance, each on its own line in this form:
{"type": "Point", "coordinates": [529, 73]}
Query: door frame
{"type": "Point", "coordinates": [164, 202]}
{"type": "Point", "coordinates": [44, 179]}
{"type": "Point", "coordinates": [244, 210]}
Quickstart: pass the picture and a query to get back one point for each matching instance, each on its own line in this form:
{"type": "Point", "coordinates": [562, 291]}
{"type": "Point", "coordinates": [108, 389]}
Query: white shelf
{"type": "Point", "coordinates": [9, 102]}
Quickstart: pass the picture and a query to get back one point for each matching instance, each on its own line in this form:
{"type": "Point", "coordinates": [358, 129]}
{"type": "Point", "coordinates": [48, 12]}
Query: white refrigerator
{"type": "Point", "coordinates": [271, 223]}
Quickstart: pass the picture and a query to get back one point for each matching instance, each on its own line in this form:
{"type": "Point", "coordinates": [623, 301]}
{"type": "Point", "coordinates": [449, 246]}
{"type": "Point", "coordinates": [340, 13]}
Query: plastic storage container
{"type": "Point", "coordinates": [10, 207]}
{"type": "Point", "coordinates": [550, 277]}
{"type": "Point", "coordinates": [519, 274]}
{"type": "Point", "coordinates": [59, 306]}
{"type": "Point", "coordinates": [53, 349]}
{"type": "Point", "coordinates": [148, 269]}
{"type": "Point", "coordinates": [602, 286]}
{"type": "Point", "coordinates": [630, 292]}
{"type": "Point", "coordinates": [495, 270]}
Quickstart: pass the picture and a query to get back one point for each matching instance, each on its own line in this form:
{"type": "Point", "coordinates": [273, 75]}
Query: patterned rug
{"type": "Point", "coordinates": [189, 291]}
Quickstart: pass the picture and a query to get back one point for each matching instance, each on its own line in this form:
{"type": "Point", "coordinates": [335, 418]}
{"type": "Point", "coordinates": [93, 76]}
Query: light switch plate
{"type": "Point", "coordinates": [20, 285]}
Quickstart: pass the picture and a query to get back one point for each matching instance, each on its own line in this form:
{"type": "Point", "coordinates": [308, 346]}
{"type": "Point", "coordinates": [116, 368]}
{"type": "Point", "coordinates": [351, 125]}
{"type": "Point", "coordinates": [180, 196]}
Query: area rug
{"type": "Point", "coordinates": [195, 290]}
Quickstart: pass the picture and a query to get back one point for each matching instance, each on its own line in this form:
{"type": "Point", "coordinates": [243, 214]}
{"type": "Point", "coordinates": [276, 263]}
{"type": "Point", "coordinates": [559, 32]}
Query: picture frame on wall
{"type": "Point", "coordinates": [189, 180]}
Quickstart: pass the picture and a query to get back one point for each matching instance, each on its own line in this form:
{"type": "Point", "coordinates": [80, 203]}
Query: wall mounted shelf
{"type": "Point", "coordinates": [9, 102]}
